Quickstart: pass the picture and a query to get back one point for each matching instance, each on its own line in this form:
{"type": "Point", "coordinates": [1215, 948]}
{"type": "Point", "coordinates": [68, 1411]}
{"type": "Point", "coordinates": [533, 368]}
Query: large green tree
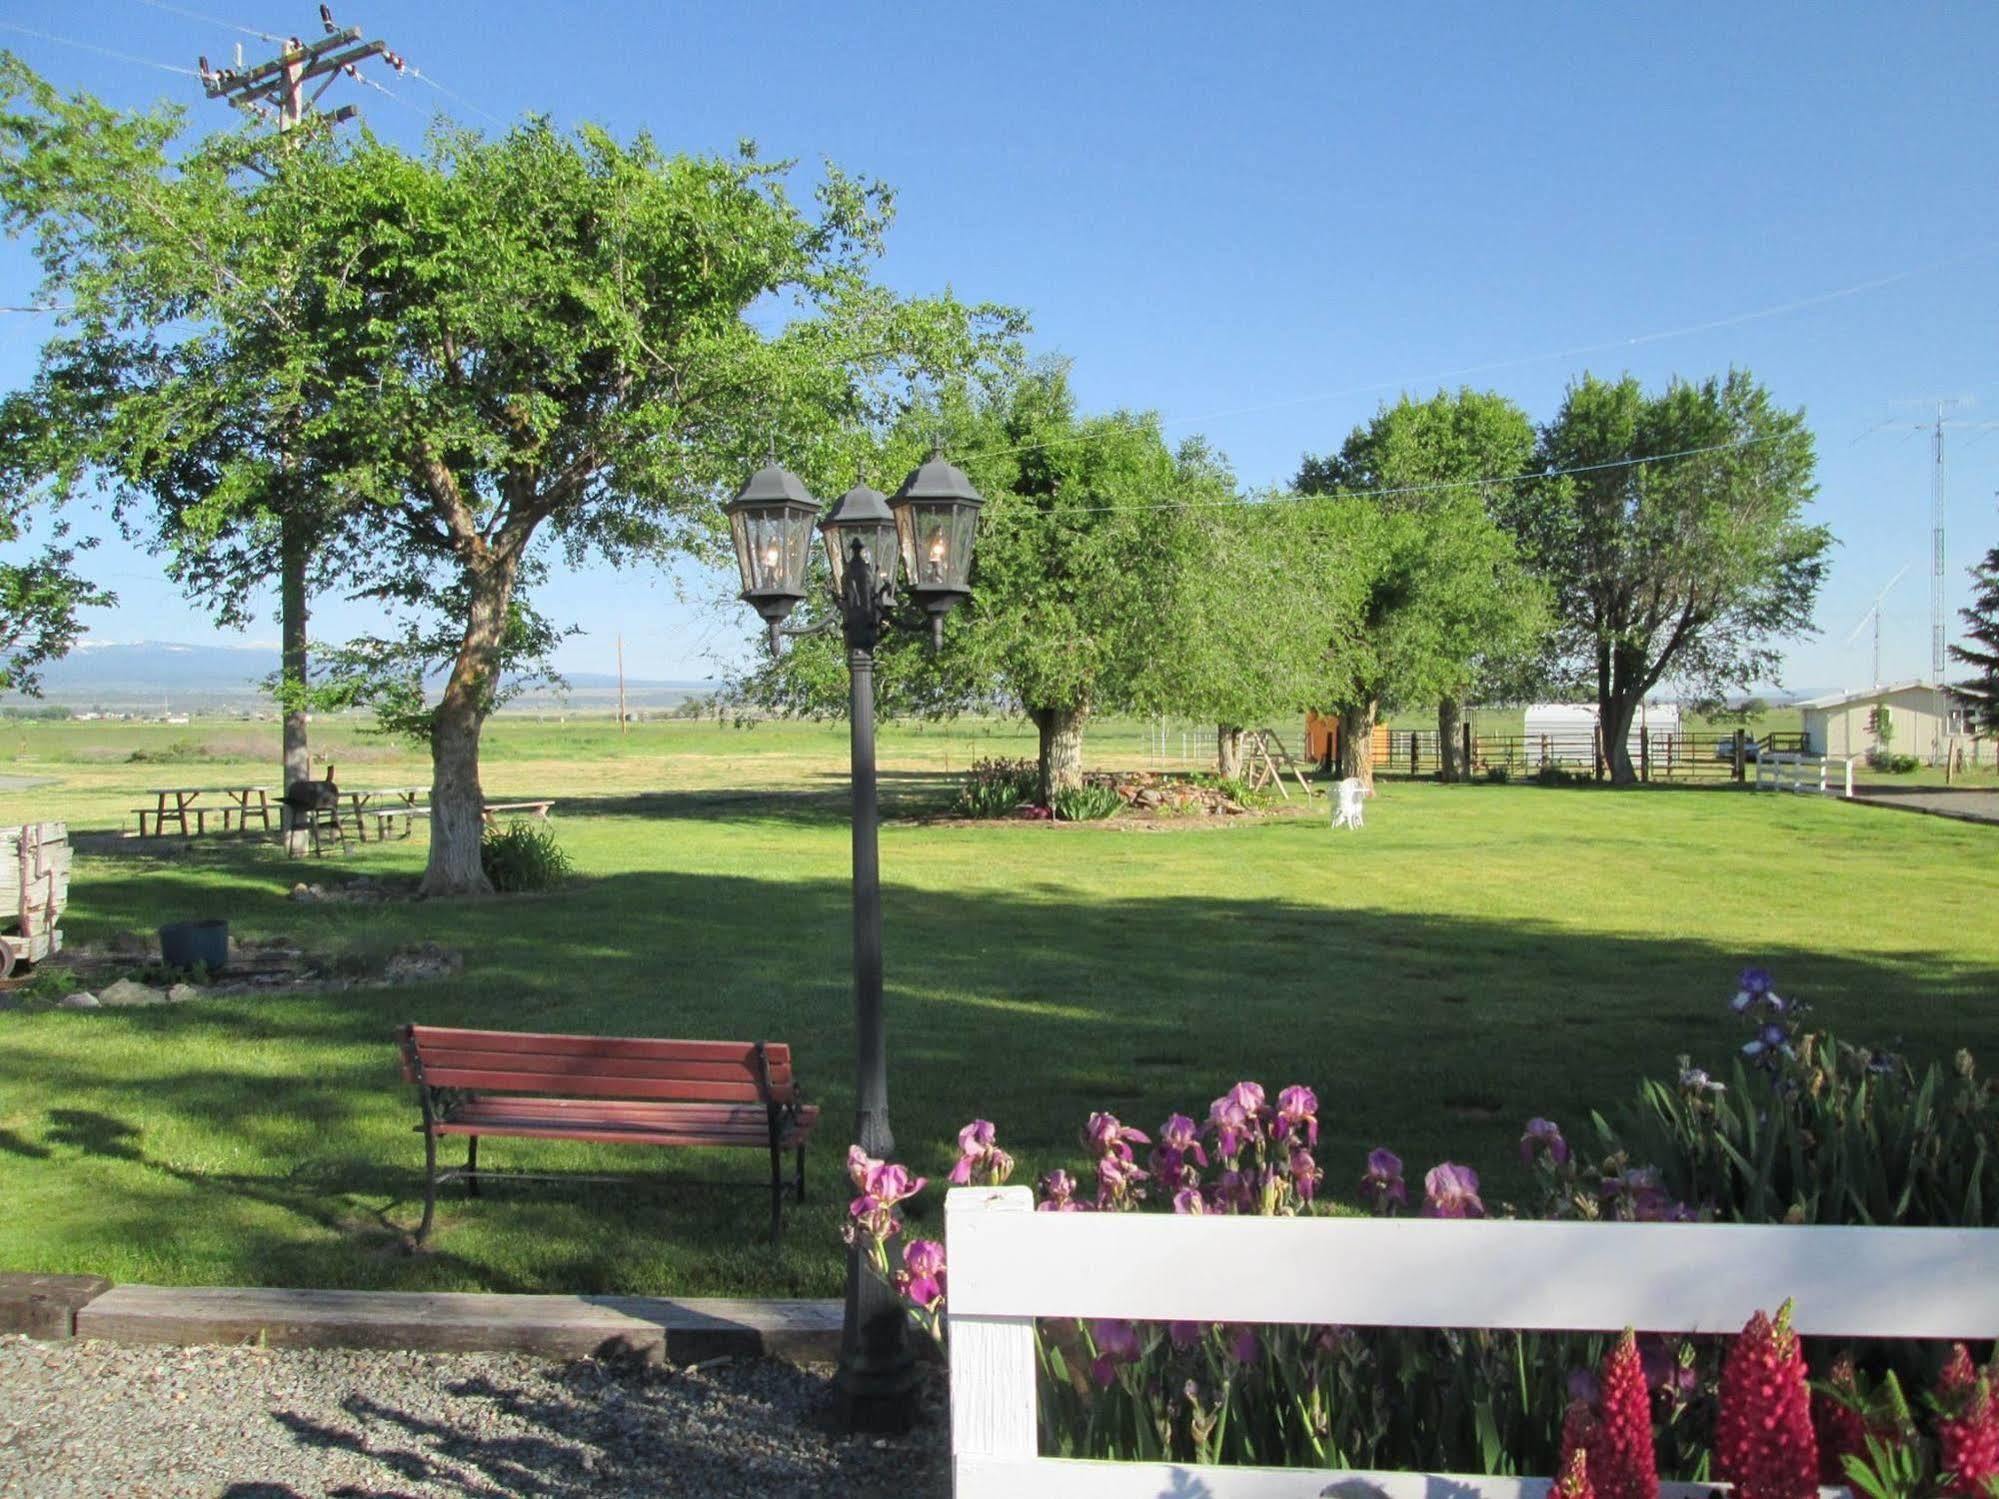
{"type": "Point", "coordinates": [534, 346]}
{"type": "Point", "coordinates": [1436, 459]}
{"type": "Point", "coordinates": [1671, 530]}
{"type": "Point", "coordinates": [40, 597]}
{"type": "Point", "coordinates": [1264, 595]}
{"type": "Point", "coordinates": [1980, 650]}
{"type": "Point", "coordinates": [1448, 605]}
{"type": "Point", "coordinates": [183, 372]}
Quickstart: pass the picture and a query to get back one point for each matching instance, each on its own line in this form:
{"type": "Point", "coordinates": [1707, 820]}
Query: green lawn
{"type": "Point", "coordinates": [1475, 956]}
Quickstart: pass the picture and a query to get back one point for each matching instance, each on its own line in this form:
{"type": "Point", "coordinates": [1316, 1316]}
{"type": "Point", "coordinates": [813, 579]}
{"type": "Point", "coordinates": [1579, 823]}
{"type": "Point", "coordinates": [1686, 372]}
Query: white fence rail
{"type": "Point", "coordinates": [1010, 1264]}
{"type": "Point", "coordinates": [1787, 771]}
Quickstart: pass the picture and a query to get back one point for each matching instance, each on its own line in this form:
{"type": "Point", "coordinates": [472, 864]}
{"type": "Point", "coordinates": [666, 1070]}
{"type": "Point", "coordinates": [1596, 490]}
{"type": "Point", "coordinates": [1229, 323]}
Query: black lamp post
{"type": "Point", "coordinates": [929, 524]}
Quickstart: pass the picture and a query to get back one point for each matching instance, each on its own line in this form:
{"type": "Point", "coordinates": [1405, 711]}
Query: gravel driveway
{"type": "Point", "coordinates": [95, 1418]}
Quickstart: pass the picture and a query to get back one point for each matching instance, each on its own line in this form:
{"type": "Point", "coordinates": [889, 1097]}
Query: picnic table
{"type": "Point", "coordinates": [181, 806]}
{"type": "Point", "coordinates": [385, 804]}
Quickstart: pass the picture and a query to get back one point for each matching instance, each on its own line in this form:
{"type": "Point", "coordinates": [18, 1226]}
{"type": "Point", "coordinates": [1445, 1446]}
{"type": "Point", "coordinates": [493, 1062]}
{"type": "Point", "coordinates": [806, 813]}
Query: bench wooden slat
{"type": "Point", "coordinates": [591, 1085]}
{"type": "Point", "coordinates": [436, 1057]}
{"type": "Point", "coordinates": [690, 1114]}
{"type": "Point", "coordinates": [555, 1044]}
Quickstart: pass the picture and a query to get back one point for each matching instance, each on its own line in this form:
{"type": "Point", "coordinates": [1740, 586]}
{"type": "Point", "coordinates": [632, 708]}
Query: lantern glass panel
{"type": "Point", "coordinates": [937, 543]}
{"type": "Point", "coordinates": [773, 546]}
{"type": "Point", "coordinates": [878, 545]}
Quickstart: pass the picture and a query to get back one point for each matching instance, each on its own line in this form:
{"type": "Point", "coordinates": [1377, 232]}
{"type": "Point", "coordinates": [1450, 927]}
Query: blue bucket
{"type": "Point", "coordinates": [187, 944]}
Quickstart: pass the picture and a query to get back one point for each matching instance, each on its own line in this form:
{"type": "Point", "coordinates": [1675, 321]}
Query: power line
{"type": "Point", "coordinates": [195, 15]}
{"type": "Point", "coordinates": [419, 74]}
{"type": "Point", "coordinates": [1634, 341]}
{"type": "Point", "coordinates": [70, 41]}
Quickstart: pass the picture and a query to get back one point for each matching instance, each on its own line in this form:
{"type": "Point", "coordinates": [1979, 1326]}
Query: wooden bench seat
{"type": "Point", "coordinates": [604, 1090]}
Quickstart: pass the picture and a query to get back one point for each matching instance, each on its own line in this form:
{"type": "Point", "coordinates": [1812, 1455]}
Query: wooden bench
{"type": "Point", "coordinates": [607, 1090]}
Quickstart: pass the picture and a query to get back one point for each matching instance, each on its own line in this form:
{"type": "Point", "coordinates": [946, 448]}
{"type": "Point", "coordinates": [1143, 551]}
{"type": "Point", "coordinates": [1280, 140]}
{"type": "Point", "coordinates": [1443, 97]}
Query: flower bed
{"type": "Point", "coordinates": [1797, 1135]}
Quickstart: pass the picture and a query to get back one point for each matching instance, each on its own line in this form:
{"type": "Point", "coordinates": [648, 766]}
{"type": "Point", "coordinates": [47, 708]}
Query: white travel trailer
{"type": "Point", "coordinates": [1565, 733]}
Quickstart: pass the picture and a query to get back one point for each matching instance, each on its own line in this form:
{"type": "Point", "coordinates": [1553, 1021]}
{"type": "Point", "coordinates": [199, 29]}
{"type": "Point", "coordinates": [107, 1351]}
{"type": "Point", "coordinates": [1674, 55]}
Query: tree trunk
{"type": "Point", "coordinates": [1450, 718]}
{"type": "Point", "coordinates": [457, 801]}
{"type": "Point", "coordinates": [294, 552]}
{"type": "Point", "coordinates": [1357, 743]}
{"type": "Point", "coordinates": [1614, 711]}
{"type": "Point", "coordinates": [1228, 750]}
{"type": "Point", "coordinates": [1061, 731]}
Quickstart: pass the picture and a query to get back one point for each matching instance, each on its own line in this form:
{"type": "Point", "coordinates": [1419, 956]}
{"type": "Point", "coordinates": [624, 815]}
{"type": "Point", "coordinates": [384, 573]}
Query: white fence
{"type": "Point", "coordinates": [1785, 771]}
{"type": "Point", "coordinates": [1010, 1264]}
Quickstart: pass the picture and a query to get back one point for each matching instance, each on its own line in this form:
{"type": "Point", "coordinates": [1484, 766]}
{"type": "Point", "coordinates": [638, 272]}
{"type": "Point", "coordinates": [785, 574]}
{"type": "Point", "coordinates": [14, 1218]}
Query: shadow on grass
{"type": "Point", "coordinates": [1436, 1035]}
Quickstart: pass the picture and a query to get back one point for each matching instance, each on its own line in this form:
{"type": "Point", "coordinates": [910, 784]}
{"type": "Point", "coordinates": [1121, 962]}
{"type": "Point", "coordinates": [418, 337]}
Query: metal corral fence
{"type": "Point", "coordinates": [1656, 754]}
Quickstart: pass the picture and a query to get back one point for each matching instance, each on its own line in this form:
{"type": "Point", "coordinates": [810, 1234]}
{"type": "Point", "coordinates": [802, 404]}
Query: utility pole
{"type": "Point", "coordinates": [621, 683]}
{"type": "Point", "coordinates": [1939, 695]}
{"type": "Point", "coordinates": [278, 87]}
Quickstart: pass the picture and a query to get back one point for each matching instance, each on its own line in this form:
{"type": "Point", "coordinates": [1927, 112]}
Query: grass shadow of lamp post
{"type": "Point", "coordinates": [928, 527]}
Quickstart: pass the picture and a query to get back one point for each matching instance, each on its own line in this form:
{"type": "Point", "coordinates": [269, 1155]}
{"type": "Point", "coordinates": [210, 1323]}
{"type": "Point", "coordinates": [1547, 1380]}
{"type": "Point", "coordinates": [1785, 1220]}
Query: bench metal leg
{"type": "Point", "coordinates": [429, 1183]}
{"type": "Point", "coordinates": [472, 1166]}
{"type": "Point", "coordinates": [776, 1189]}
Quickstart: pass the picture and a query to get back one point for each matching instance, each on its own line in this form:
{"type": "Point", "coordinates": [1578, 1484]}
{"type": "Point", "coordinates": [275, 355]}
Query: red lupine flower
{"type": "Point", "coordinates": [1574, 1482]}
{"type": "Point", "coordinates": [1579, 1427]}
{"type": "Point", "coordinates": [1763, 1441]}
{"type": "Point", "coordinates": [1837, 1424]}
{"type": "Point", "coordinates": [1967, 1427]}
{"type": "Point", "coordinates": [1621, 1460]}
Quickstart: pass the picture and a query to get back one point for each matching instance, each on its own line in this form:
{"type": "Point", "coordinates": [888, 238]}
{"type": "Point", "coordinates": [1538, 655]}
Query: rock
{"type": "Point", "coordinates": [130, 992]}
{"type": "Point", "coordinates": [427, 960]}
{"type": "Point", "coordinates": [182, 993]}
{"type": "Point", "coordinates": [302, 891]}
{"type": "Point", "coordinates": [81, 1000]}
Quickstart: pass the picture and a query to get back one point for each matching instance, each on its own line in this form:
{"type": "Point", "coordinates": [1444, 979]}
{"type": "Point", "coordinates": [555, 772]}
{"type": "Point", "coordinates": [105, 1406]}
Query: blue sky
{"type": "Point", "coordinates": [1260, 222]}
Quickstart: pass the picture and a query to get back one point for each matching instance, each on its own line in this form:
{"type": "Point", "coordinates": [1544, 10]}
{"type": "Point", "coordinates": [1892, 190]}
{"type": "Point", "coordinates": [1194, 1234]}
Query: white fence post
{"type": "Point", "coordinates": [993, 1409]}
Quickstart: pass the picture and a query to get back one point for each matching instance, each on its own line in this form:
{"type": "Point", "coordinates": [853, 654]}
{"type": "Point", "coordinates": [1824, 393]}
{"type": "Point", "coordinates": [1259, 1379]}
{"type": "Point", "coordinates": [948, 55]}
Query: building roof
{"type": "Point", "coordinates": [1870, 694]}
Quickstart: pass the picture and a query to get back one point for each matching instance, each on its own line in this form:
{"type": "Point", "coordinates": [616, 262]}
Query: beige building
{"type": "Point", "coordinates": [1836, 725]}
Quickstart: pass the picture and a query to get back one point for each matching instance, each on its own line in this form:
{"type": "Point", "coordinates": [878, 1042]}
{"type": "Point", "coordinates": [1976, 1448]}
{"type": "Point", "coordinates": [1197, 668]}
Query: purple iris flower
{"type": "Point", "coordinates": [1186, 1334]}
{"type": "Point", "coordinates": [1695, 1080]}
{"type": "Point", "coordinates": [1179, 1133]}
{"type": "Point", "coordinates": [1300, 1106]}
{"type": "Point", "coordinates": [1234, 1116]}
{"type": "Point", "coordinates": [1244, 1345]}
{"type": "Point", "coordinates": [1107, 1136]}
{"type": "Point", "coordinates": [1117, 1343]}
{"type": "Point", "coordinates": [1451, 1191]}
{"type": "Point", "coordinates": [1189, 1200]}
{"type": "Point", "coordinates": [979, 1156]}
{"type": "Point", "coordinates": [1305, 1175]}
{"type": "Point", "coordinates": [1058, 1193]}
{"type": "Point", "coordinates": [1583, 1386]}
{"type": "Point", "coordinates": [922, 1278]}
{"type": "Point", "coordinates": [1755, 982]}
{"type": "Point", "coordinates": [1383, 1182]}
{"type": "Point", "coordinates": [1544, 1134]}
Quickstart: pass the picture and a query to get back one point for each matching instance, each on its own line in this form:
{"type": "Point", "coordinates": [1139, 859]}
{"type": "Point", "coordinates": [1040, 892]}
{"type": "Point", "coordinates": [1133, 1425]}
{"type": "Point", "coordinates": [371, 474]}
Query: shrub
{"type": "Point", "coordinates": [1498, 775]}
{"type": "Point", "coordinates": [1890, 763]}
{"type": "Point", "coordinates": [1087, 803]}
{"type": "Point", "coordinates": [995, 787]}
{"type": "Point", "coordinates": [1551, 774]}
{"type": "Point", "coordinates": [523, 857]}
{"type": "Point", "coordinates": [1817, 1131]}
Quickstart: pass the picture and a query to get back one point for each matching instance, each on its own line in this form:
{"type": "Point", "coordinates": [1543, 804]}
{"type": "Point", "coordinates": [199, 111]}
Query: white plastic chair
{"type": "Point", "coordinates": [1347, 808]}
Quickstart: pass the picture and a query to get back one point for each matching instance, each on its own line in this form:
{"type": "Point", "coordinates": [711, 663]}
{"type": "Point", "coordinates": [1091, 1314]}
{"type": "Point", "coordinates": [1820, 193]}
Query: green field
{"type": "Point", "coordinates": [1477, 955]}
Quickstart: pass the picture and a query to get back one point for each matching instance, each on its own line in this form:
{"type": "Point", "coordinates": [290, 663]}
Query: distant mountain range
{"type": "Point", "coordinates": [148, 674]}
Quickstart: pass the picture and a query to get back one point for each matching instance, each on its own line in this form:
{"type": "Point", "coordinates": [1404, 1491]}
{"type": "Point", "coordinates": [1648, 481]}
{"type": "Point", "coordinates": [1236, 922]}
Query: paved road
{"type": "Point", "coordinates": [1971, 804]}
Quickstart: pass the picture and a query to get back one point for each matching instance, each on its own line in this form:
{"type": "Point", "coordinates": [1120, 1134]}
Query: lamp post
{"type": "Point", "coordinates": [928, 526]}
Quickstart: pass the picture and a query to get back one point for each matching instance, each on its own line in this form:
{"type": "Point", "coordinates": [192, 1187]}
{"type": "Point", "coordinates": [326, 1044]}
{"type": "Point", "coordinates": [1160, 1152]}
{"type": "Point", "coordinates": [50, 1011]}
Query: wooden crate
{"type": "Point", "coordinates": [34, 888]}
